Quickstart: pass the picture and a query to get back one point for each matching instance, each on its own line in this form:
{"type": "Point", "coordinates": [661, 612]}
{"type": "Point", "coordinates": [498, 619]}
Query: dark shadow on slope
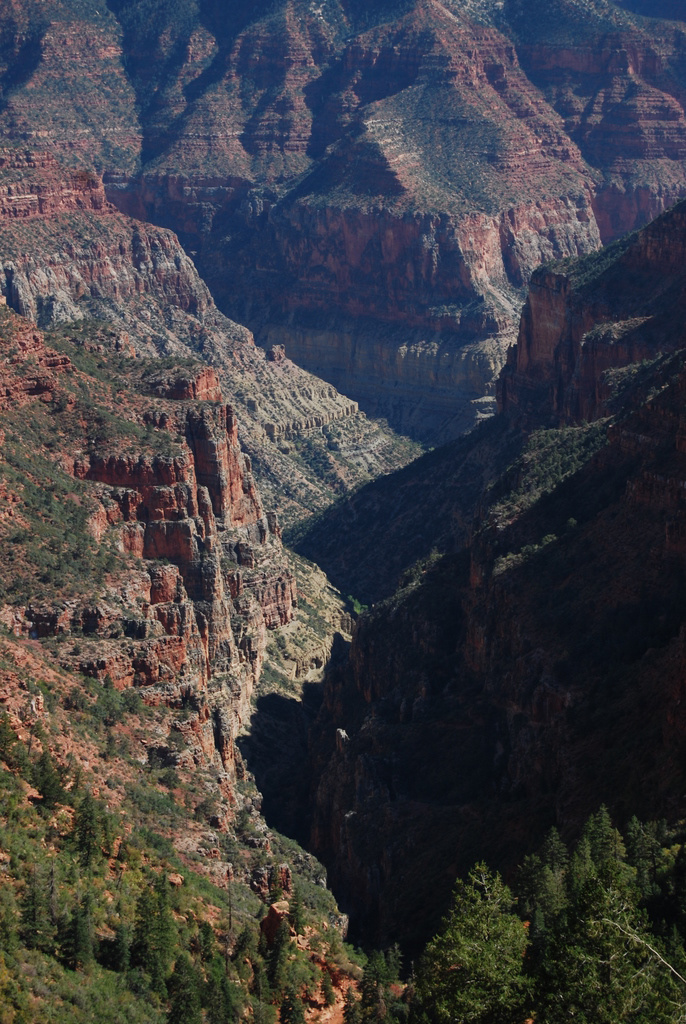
{"type": "Point", "coordinates": [673, 10]}
{"type": "Point", "coordinates": [366, 541]}
{"type": "Point", "coordinates": [213, 16]}
{"type": "Point", "coordinates": [24, 62]}
{"type": "Point", "coordinates": [276, 751]}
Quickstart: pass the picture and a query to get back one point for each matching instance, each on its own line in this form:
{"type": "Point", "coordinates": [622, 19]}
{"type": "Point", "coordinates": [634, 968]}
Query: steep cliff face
{"type": "Point", "coordinates": [401, 164]}
{"type": "Point", "coordinates": [536, 671]}
{"type": "Point", "coordinates": [34, 184]}
{"type": "Point", "coordinates": [391, 223]}
{"type": "Point", "coordinates": [620, 97]}
{"type": "Point", "coordinates": [407, 170]}
{"type": "Point", "coordinates": [187, 627]}
{"type": "Point", "coordinates": [621, 307]}
{"type": "Point", "coordinates": [66, 254]}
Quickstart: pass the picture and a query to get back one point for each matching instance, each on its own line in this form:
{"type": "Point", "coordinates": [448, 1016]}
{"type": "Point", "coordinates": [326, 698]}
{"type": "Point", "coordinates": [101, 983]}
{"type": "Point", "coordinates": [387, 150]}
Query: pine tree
{"type": "Point", "coordinates": [605, 842]}
{"type": "Point", "coordinates": [297, 913]}
{"type": "Point", "coordinates": [394, 963]}
{"type": "Point", "coordinates": [291, 1011]}
{"type": "Point", "coordinates": [154, 933]}
{"type": "Point", "coordinates": [601, 964]}
{"type": "Point", "coordinates": [184, 990]}
{"type": "Point", "coordinates": [263, 1013]}
{"type": "Point", "coordinates": [327, 989]}
{"type": "Point", "coordinates": [644, 843]}
{"type": "Point", "coordinates": [77, 948]}
{"type": "Point", "coordinates": [47, 781]}
{"type": "Point", "coordinates": [36, 927]}
{"type": "Point", "coordinates": [554, 853]}
{"type": "Point", "coordinates": [206, 941]}
{"type": "Point", "coordinates": [374, 978]}
{"type": "Point", "coordinates": [473, 971]}
{"type": "Point", "coordinates": [221, 997]}
{"type": "Point", "coordinates": [278, 956]}
{"type": "Point", "coordinates": [87, 831]}
{"type": "Point", "coordinates": [351, 1009]}
{"type": "Point", "coordinates": [9, 938]}
{"type": "Point", "coordinates": [121, 947]}
{"type": "Point", "coordinates": [8, 738]}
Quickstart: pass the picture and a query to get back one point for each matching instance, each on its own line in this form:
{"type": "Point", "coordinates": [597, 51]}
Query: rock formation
{"type": "Point", "coordinates": [75, 257]}
{"type": "Point", "coordinates": [581, 320]}
{"type": "Point", "coordinates": [188, 628]}
{"type": "Point", "coordinates": [536, 671]}
{"type": "Point", "coordinates": [371, 188]}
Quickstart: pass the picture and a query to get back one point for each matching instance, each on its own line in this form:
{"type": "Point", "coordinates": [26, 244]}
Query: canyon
{"type": "Point", "coordinates": [248, 260]}
{"type": "Point", "coordinates": [529, 667]}
{"type": "Point", "coordinates": [187, 620]}
{"type": "Point", "coordinates": [371, 190]}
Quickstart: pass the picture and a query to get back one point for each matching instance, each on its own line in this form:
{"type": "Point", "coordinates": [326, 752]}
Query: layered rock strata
{"type": "Point", "coordinates": [188, 627]}
{"type": "Point", "coordinates": [403, 164]}
{"type": "Point", "coordinates": [75, 258]}
{"type": "Point", "coordinates": [622, 307]}
{"type": "Point", "coordinates": [537, 671]}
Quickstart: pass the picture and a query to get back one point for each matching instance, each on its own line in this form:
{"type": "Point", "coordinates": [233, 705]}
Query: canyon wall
{"type": "Point", "coordinates": [67, 254]}
{"type": "Point", "coordinates": [186, 622]}
{"type": "Point", "coordinates": [534, 670]}
{"type": "Point", "coordinates": [377, 176]}
{"type": "Point", "coordinates": [621, 307]}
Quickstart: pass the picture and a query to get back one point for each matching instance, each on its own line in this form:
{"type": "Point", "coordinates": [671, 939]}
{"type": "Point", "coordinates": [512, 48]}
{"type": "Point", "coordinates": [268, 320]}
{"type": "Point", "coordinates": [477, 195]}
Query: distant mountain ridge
{"type": "Point", "coordinates": [372, 188]}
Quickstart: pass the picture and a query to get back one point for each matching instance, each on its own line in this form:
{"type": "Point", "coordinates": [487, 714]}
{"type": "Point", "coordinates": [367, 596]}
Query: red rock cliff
{"type": "Point", "coordinates": [612, 310]}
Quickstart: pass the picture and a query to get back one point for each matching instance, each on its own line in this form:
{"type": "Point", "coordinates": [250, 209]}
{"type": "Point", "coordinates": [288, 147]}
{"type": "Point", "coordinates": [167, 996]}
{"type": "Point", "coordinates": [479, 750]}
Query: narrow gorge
{"type": "Point", "coordinates": [341, 489]}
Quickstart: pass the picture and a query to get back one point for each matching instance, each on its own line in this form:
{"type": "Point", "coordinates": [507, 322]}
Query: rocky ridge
{"type": "Point", "coordinates": [353, 196]}
{"type": "Point", "coordinates": [371, 188]}
{"type": "Point", "coordinates": [190, 628]}
{"type": "Point", "coordinates": [580, 320]}
{"type": "Point", "coordinates": [535, 671]}
{"type": "Point", "coordinates": [77, 257]}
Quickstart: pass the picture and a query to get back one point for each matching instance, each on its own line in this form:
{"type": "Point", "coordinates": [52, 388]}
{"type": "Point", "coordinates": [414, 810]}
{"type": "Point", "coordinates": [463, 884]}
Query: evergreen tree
{"type": "Point", "coordinates": [77, 947]}
{"type": "Point", "coordinates": [184, 991]}
{"type": "Point", "coordinates": [351, 1008]}
{"type": "Point", "coordinates": [327, 989]}
{"type": "Point", "coordinates": [260, 981]}
{"type": "Point", "coordinates": [245, 952]}
{"type": "Point", "coordinates": [9, 938]}
{"type": "Point", "coordinates": [473, 971]}
{"type": "Point", "coordinates": [644, 842]}
{"type": "Point", "coordinates": [554, 853]}
{"type": "Point", "coordinates": [87, 830]}
{"type": "Point", "coordinates": [373, 1004]}
{"type": "Point", "coordinates": [394, 963]}
{"type": "Point", "coordinates": [600, 963]}
{"type": "Point", "coordinates": [154, 933]}
{"type": "Point", "coordinates": [605, 842]}
{"type": "Point", "coordinates": [263, 1013]}
{"type": "Point", "coordinates": [297, 913]}
{"type": "Point", "coordinates": [206, 942]}
{"type": "Point", "coordinates": [582, 867]}
{"type": "Point", "coordinates": [36, 927]}
{"type": "Point", "coordinates": [121, 947]}
{"type": "Point", "coordinates": [529, 884]}
{"type": "Point", "coordinates": [109, 705]}
{"type": "Point", "coordinates": [292, 1010]}
{"type": "Point", "coordinates": [221, 997]}
{"type": "Point", "coordinates": [278, 957]}
{"type": "Point", "coordinates": [47, 781]}
{"type": "Point", "coordinates": [8, 738]}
